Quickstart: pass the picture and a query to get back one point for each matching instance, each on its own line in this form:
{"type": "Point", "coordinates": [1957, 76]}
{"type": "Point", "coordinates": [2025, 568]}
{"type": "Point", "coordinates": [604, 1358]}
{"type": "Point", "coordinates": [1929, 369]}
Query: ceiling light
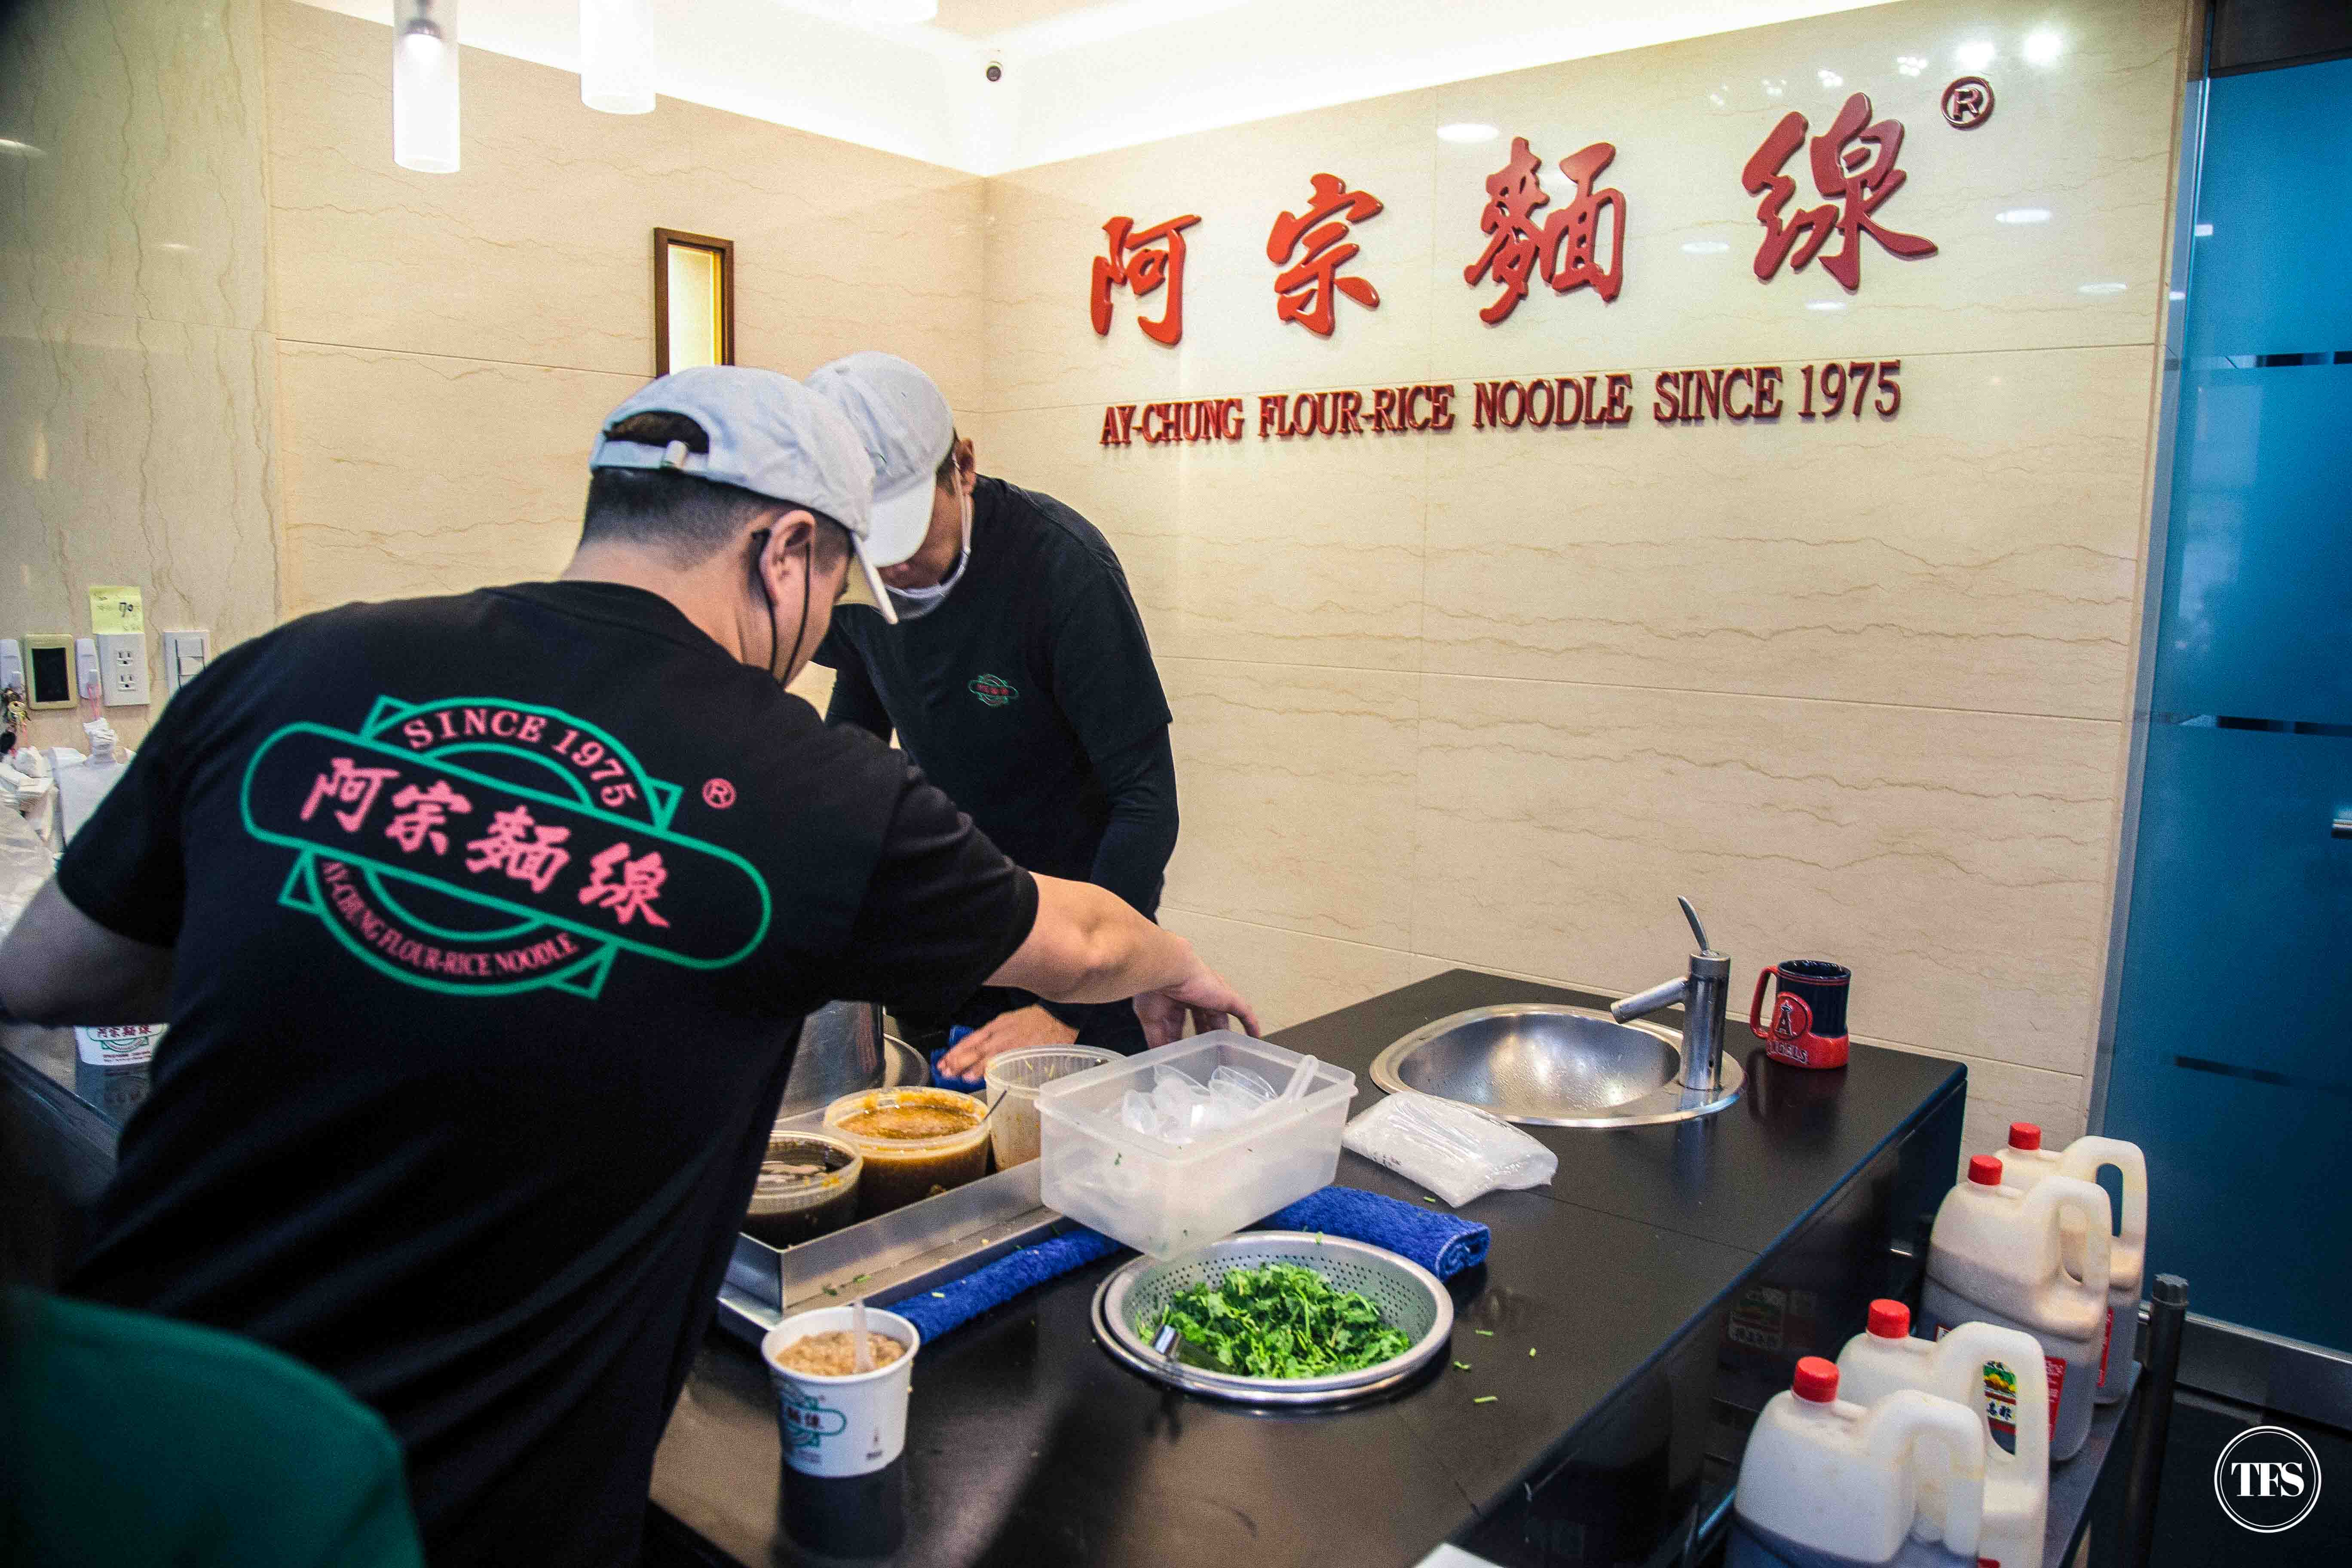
{"type": "Point", "coordinates": [1911, 65]}
{"type": "Point", "coordinates": [1467, 131]}
{"type": "Point", "coordinates": [1705, 246]}
{"type": "Point", "coordinates": [1975, 55]}
{"type": "Point", "coordinates": [2043, 47]}
{"type": "Point", "coordinates": [424, 86]}
{"type": "Point", "coordinates": [1825, 305]}
{"type": "Point", "coordinates": [2022, 214]}
{"type": "Point", "coordinates": [2203, 231]}
{"type": "Point", "coordinates": [2100, 289]}
{"type": "Point", "coordinates": [616, 69]}
{"type": "Point", "coordinates": [15, 149]}
{"type": "Point", "coordinates": [895, 11]}
{"type": "Point", "coordinates": [1830, 78]}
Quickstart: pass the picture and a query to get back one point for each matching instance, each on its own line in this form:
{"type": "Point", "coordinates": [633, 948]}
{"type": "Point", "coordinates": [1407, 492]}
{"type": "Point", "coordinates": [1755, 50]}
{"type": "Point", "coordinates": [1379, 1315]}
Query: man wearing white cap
{"type": "Point", "coordinates": [1012, 666]}
{"type": "Point", "coordinates": [485, 925]}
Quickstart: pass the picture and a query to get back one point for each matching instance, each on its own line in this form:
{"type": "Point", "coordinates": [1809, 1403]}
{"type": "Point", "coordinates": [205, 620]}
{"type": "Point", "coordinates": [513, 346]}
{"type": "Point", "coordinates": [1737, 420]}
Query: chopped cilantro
{"type": "Point", "coordinates": [1484, 1333]}
{"type": "Point", "coordinates": [1463, 1365]}
{"type": "Point", "coordinates": [1531, 1350]}
{"type": "Point", "coordinates": [1282, 1320]}
{"type": "Point", "coordinates": [1486, 1399]}
{"type": "Point", "coordinates": [944, 1296]}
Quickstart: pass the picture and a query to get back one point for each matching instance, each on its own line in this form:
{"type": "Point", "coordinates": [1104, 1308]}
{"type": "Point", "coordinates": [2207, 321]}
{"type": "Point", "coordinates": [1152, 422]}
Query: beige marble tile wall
{"type": "Point", "coordinates": [135, 362]}
{"type": "Point", "coordinates": [1493, 697]}
{"type": "Point", "coordinates": [448, 343]}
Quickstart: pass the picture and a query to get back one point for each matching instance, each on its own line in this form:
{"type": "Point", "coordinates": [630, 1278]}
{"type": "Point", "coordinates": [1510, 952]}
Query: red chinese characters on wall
{"type": "Point", "coordinates": [1307, 293]}
{"type": "Point", "coordinates": [1853, 166]}
{"type": "Point", "coordinates": [1564, 248]}
{"type": "Point", "coordinates": [1141, 261]}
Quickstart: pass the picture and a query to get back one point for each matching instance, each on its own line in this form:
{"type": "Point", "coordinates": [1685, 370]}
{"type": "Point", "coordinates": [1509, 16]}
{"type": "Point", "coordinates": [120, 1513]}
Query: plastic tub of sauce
{"type": "Point", "coordinates": [808, 1186]}
{"type": "Point", "coordinates": [914, 1141]}
{"type": "Point", "coordinates": [1013, 1079]}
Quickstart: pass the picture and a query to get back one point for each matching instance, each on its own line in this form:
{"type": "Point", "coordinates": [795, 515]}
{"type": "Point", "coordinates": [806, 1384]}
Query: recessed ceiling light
{"type": "Point", "coordinates": [1467, 131]}
{"type": "Point", "coordinates": [2100, 289]}
{"type": "Point", "coordinates": [1975, 55]}
{"type": "Point", "coordinates": [1824, 304]}
{"type": "Point", "coordinates": [2203, 231]}
{"type": "Point", "coordinates": [2022, 214]}
{"type": "Point", "coordinates": [15, 149]}
{"type": "Point", "coordinates": [2043, 47]}
{"type": "Point", "coordinates": [1705, 246]}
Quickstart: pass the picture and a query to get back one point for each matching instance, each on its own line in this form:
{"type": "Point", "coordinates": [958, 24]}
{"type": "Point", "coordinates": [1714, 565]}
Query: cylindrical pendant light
{"type": "Point", "coordinates": [615, 73]}
{"type": "Point", "coordinates": [425, 85]}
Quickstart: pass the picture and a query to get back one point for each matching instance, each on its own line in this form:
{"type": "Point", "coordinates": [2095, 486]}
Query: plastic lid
{"type": "Point", "coordinates": [1890, 1320]}
{"type": "Point", "coordinates": [1816, 1380]}
{"type": "Point", "coordinates": [1984, 1169]}
{"type": "Point", "coordinates": [2024, 1135]}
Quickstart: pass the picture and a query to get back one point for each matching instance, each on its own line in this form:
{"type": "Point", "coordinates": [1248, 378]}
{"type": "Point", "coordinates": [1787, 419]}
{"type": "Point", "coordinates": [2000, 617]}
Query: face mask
{"type": "Point", "coordinates": [914, 604]}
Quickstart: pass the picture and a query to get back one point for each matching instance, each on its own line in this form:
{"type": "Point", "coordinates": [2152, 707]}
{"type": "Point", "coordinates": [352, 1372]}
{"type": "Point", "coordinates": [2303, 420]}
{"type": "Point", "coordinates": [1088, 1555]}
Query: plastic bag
{"type": "Point", "coordinates": [25, 865]}
{"type": "Point", "coordinates": [1456, 1150]}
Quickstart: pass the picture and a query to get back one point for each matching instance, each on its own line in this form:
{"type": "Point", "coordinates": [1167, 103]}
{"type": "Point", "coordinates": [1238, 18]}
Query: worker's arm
{"type": "Point", "coordinates": [855, 700]}
{"type": "Point", "coordinates": [59, 966]}
{"type": "Point", "coordinates": [1089, 945]}
{"type": "Point", "coordinates": [1131, 860]}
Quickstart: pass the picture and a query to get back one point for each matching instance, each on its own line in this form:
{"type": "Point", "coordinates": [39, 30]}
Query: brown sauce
{"type": "Point", "coordinates": [910, 1121]}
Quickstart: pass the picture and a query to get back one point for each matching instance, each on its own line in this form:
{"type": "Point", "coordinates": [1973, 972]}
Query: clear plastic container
{"type": "Point", "coordinates": [914, 1142]}
{"type": "Point", "coordinates": [1165, 1200]}
{"type": "Point", "coordinates": [1013, 1082]}
{"type": "Point", "coordinates": [807, 1186]}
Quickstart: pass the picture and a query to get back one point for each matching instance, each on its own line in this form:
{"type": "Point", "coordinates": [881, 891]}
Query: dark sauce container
{"type": "Point", "coordinates": [807, 1188]}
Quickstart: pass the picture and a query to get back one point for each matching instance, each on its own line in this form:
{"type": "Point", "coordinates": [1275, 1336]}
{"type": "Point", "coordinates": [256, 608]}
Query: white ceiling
{"type": "Point", "coordinates": [1083, 76]}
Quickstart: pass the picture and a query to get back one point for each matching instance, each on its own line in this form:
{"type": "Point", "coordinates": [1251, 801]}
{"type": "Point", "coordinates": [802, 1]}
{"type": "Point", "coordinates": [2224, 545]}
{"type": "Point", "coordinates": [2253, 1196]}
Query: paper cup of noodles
{"type": "Point", "coordinates": [840, 1422]}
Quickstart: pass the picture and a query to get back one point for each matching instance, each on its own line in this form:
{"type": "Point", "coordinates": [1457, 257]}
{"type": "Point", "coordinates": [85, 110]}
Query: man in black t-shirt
{"type": "Point", "coordinates": [1016, 674]}
{"type": "Point", "coordinates": [484, 927]}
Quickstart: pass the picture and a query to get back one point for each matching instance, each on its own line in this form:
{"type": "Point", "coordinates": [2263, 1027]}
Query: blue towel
{"type": "Point", "coordinates": [939, 1312]}
{"type": "Point", "coordinates": [1444, 1244]}
{"type": "Point", "coordinates": [948, 1080]}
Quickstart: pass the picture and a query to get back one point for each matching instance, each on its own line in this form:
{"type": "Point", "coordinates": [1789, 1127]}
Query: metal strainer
{"type": "Point", "coordinates": [1129, 1305]}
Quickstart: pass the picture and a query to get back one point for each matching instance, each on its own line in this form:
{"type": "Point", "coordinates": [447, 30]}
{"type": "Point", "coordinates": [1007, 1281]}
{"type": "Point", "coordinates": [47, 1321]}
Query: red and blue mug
{"type": "Point", "coordinates": [1807, 1026]}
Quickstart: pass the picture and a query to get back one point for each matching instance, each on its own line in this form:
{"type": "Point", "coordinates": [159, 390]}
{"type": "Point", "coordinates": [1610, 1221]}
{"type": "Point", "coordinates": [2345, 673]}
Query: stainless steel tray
{"type": "Point", "coordinates": [1408, 1296]}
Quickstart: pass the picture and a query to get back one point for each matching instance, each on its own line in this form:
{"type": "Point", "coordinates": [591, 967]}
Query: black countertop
{"type": "Point", "coordinates": [1028, 1445]}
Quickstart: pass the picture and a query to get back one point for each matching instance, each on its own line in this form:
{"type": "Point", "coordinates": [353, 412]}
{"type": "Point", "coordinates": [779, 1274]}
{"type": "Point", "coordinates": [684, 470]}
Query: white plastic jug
{"type": "Point", "coordinates": [1997, 1372]}
{"type": "Point", "coordinates": [1995, 1256]}
{"type": "Point", "coordinates": [2025, 1162]}
{"type": "Point", "coordinates": [1824, 1479]}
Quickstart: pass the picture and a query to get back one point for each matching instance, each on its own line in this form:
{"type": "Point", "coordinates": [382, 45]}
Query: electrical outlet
{"type": "Point", "coordinates": [185, 653]}
{"type": "Point", "coordinates": [122, 663]}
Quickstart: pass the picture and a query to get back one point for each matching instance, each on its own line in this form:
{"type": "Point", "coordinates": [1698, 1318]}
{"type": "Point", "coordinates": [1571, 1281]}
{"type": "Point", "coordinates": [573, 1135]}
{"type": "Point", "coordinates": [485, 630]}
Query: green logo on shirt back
{"type": "Point", "coordinates": [993, 689]}
{"type": "Point", "coordinates": [482, 847]}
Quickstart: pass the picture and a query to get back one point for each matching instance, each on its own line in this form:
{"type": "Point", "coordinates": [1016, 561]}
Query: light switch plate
{"type": "Point", "coordinates": [123, 667]}
{"type": "Point", "coordinates": [185, 653]}
{"type": "Point", "coordinates": [85, 667]}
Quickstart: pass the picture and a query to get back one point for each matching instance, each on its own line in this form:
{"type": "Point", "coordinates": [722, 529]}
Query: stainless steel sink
{"type": "Point", "coordinates": [1552, 1066]}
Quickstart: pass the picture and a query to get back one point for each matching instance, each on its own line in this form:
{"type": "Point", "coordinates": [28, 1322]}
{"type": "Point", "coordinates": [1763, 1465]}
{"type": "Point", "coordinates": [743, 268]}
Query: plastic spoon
{"type": "Point", "coordinates": [1299, 1078]}
{"type": "Point", "coordinates": [864, 1348]}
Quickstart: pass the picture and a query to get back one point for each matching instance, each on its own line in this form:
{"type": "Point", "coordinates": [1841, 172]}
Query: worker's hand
{"type": "Point", "coordinates": [1013, 1031]}
{"type": "Point", "coordinates": [1204, 996]}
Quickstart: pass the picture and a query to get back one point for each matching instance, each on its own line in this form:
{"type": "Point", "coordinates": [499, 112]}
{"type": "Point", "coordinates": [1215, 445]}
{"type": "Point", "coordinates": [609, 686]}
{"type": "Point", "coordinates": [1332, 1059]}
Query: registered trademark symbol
{"type": "Point", "coordinates": [1967, 102]}
{"type": "Point", "coordinates": [718, 794]}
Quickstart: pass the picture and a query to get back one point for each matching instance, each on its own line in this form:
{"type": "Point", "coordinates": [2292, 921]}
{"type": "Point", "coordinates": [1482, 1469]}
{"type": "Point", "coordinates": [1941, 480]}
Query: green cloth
{"type": "Point", "coordinates": [132, 1439]}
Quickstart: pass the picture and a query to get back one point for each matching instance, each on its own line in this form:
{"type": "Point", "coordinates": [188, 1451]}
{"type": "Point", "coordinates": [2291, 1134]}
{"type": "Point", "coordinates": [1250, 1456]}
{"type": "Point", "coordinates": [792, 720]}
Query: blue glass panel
{"type": "Point", "coordinates": [2257, 617]}
{"type": "Point", "coordinates": [2269, 278]}
{"type": "Point", "coordinates": [2233, 1035]}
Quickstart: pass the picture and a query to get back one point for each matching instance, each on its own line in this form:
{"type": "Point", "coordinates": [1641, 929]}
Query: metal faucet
{"type": "Point", "coordinates": [1705, 994]}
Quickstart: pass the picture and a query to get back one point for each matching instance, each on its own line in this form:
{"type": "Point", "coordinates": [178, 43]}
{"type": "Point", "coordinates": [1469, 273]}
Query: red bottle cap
{"type": "Point", "coordinates": [1890, 1320]}
{"type": "Point", "coordinates": [1984, 1169]}
{"type": "Point", "coordinates": [1816, 1380]}
{"type": "Point", "coordinates": [2024, 1135]}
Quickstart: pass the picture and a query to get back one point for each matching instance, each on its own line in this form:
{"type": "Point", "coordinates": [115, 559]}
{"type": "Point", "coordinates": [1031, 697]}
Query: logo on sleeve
{"type": "Point", "coordinates": [993, 689]}
{"type": "Point", "coordinates": [482, 847]}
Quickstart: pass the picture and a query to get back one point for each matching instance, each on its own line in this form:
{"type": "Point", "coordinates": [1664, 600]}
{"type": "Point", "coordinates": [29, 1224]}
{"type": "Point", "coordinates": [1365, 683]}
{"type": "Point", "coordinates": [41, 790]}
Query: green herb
{"type": "Point", "coordinates": [1427, 1200]}
{"type": "Point", "coordinates": [1486, 1399]}
{"type": "Point", "coordinates": [831, 1291]}
{"type": "Point", "coordinates": [1464, 1365]}
{"type": "Point", "coordinates": [860, 1279]}
{"type": "Point", "coordinates": [944, 1296]}
{"type": "Point", "coordinates": [1531, 1350]}
{"type": "Point", "coordinates": [1282, 1320]}
{"type": "Point", "coordinates": [1484, 1333]}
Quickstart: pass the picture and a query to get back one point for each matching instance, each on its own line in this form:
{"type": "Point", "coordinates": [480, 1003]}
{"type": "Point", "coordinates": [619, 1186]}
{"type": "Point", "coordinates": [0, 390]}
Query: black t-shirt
{"type": "Point", "coordinates": [495, 919]}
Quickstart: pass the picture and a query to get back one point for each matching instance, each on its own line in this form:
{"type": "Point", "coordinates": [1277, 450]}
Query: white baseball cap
{"type": "Point", "coordinates": [772, 436]}
{"type": "Point", "coordinates": [907, 429]}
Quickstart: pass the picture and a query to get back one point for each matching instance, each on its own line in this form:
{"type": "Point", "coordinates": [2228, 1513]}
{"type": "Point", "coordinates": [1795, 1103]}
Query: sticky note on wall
{"type": "Point", "coordinates": [116, 612]}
